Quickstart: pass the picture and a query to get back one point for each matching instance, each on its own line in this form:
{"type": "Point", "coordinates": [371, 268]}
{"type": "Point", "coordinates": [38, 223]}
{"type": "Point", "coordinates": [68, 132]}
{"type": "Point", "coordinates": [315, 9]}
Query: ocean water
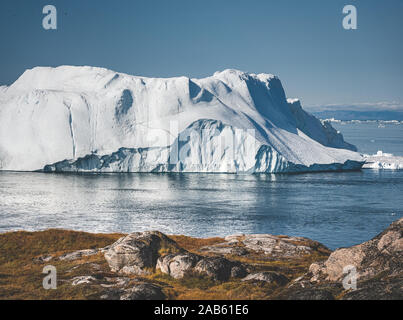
{"type": "Point", "coordinates": [337, 209]}
{"type": "Point", "coordinates": [370, 137]}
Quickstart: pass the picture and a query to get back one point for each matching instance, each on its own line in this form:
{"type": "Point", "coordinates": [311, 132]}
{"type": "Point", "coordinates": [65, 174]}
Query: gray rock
{"type": "Point", "coordinates": [135, 252]}
{"type": "Point", "coordinates": [121, 288]}
{"type": "Point", "coordinates": [382, 254]}
{"type": "Point", "coordinates": [143, 291]}
{"type": "Point", "coordinates": [226, 248]}
{"type": "Point", "coordinates": [267, 244]}
{"type": "Point", "coordinates": [268, 276]}
{"type": "Point", "coordinates": [113, 294]}
{"type": "Point", "coordinates": [78, 254]}
{"type": "Point", "coordinates": [116, 282]}
{"type": "Point", "coordinates": [82, 280]}
{"type": "Point", "coordinates": [239, 251]}
{"type": "Point", "coordinates": [278, 246]}
{"type": "Point", "coordinates": [43, 258]}
{"type": "Point", "coordinates": [219, 268]}
{"type": "Point", "coordinates": [177, 265]}
{"type": "Point", "coordinates": [390, 288]}
{"type": "Point", "coordinates": [238, 271]}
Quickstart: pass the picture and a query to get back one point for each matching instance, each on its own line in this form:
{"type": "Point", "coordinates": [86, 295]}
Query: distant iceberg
{"type": "Point", "coordinates": [382, 160]}
{"type": "Point", "coordinates": [380, 123]}
{"type": "Point", "coordinates": [87, 119]}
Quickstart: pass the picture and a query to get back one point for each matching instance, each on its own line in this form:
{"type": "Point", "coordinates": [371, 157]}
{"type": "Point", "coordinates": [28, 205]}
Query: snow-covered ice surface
{"type": "Point", "coordinates": [382, 160]}
{"type": "Point", "coordinates": [93, 119]}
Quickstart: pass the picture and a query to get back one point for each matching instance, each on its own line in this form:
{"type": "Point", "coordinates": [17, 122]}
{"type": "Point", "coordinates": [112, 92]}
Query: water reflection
{"type": "Point", "coordinates": [337, 209]}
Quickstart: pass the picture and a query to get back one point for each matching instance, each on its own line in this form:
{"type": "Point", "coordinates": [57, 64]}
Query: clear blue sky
{"type": "Point", "coordinates": [302, 42]}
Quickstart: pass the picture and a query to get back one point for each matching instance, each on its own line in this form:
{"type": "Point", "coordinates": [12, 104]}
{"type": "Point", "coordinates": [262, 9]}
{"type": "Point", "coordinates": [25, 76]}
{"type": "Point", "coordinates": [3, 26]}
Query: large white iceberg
{"type": "Point", "coordinates": [93, 119]}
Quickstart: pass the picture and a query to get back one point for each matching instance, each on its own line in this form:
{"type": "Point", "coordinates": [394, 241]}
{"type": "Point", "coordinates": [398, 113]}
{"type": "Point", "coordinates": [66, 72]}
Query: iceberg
{"type": "Point", "coordinates": [89, 119]}
{"type": "Point", "coordinates": [382, 160]}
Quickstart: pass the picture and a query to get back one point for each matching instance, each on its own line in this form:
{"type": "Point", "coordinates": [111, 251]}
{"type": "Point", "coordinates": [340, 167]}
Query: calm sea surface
{"type": "Point", "coordinates": [337, 209]}
{"type": "Point", "coordinates": [371, 137]}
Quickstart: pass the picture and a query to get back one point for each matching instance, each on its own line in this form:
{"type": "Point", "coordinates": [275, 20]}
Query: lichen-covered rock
{"type": "Point", "coordinates": [279, 246]}
{"type": "Point", "coordinates": [382, 254]}
{"type": "Point", "coordinates": [177, 265]}
{"type": "Point", "coordinates": [124, 289]}
{"type": "Point", "coordinates": [78, 254]}
{"type": "Point", "coordinates": [42, 258]}
{"type": "Point", "coordinates": [225, 248]}
{"type": "Point", "coordinates": [266, 244]}
{"type": "Point", "coordinates": [143, 291]}
{"type": "Point", "coordinates": [82, 280]}
{"type": "Point", "coordinates": [115, 282]}
{"type": "Point", "coordinates": [303, 289]}
{"type": "Point", "coordinates": [268, 276]}
{"type": "Point", "coordinates": [389, 288]}
{"type": "Point", "coordinates": [136, 252]}
{"type": "Point", "coordinates": [238, 271]}
{"type": "Point", "coordinates": [219, 268]}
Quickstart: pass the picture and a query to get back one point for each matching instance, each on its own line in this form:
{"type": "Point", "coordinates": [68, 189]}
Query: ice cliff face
{"type": "Point", "coordinates": [93, 119]}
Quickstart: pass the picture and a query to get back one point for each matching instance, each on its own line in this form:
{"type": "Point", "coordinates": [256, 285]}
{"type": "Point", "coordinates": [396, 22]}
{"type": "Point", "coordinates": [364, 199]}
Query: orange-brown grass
{"type": "Point", "coordinates": [194, 244]}
{"type": "Point", "coordinates": [27, 245]}
{"type": "Point", "coordinates": [201, 287]}
{"type": "Point", "coordinates": [291, 268]}
{"type": "Point", "coordinates": [234, 290]}
{"type": "Point", "coordinates": [21, 277]}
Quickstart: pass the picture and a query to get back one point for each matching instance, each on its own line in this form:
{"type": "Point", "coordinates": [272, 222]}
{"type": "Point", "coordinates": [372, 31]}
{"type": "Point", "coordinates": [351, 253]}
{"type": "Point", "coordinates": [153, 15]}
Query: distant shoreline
{"type": "Point", "coordinates": [333, 120]}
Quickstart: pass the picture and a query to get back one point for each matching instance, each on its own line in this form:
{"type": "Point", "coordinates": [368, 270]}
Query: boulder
{"type": "Point", "coordinates": [280, 246]}
{"type": "Point", "coordinates": [268, 276]}
{"type": "Point", "coordinates": [143, 291]}
{"type": "Point", "coordinates": [137, 291]}
{"type": "Point", "coordinates": [177, 265]}
{"type": "Point", "coordinates": [225, 248]}
{"type": "Point", "coordinates": [136, 252]}
{"type": "Point", "coordinates": [220, 268]}
{"type": "Point", "coordinates": [238, 271]}
{"type": "Point", "coordinates": [389, 288]}
{"type": "Point", "coordinates": [382, 254]}
{"type": "Point", "coordinates": [269, 245]}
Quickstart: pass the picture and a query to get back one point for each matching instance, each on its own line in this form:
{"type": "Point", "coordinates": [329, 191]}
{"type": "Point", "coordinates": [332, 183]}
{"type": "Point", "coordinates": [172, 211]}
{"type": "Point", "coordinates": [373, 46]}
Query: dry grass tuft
{"type": "Point", "coordinates": [194, 244]}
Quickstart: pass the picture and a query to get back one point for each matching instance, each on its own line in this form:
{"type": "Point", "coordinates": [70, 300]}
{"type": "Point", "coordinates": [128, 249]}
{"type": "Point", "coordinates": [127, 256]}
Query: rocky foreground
{"type": "Point", "coordinates": [152, 265]}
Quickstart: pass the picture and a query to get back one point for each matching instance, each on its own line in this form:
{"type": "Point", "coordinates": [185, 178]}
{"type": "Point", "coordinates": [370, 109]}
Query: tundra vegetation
{"type": "Point", "coordinates": [151, 265]}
